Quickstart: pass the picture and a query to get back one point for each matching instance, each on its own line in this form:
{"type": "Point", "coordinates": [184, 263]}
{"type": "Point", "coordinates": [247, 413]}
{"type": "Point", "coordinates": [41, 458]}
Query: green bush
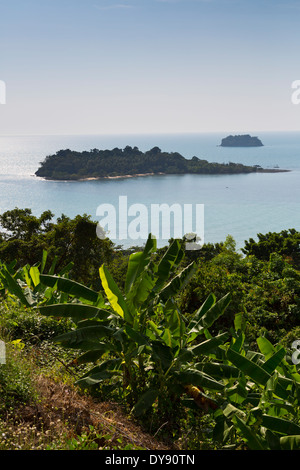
{"type": "Point", "coordinates": [16, 387]}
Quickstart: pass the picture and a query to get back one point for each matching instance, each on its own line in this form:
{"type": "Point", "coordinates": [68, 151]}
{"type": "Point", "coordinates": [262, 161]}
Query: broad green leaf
{"type": "Point", "coordinates": [209, 302]}
{"type": "Point", "coordinates": [84, 338]}
{"type": "Point", "coordinates": [145, 402]}
{"type": "Point", "coordinates": [66, 269]}
{"type": "Point", "coordinates": [15, 288]}
{"type": "Point", "coordinates": [209, 345]}
{"type": "Point", "coordinates": [198, 379]}
{"type": "Point", "coordinates": [230, 411]}
{"type": "Point", "coordinates": [162, 353]}
{"type": "Point", "coordinates": [11, 266]}
{"type": "Point", "coordinates": [265, 346]}
{"type": "Point", "coordinates": [173, 320]}
{"type": "Point", "coordinates": [35, 275]}
{"type": "Point", "coordinates": [44, 260]}
{"type": "Point", "coordinates": [94, 354]}
{"type": "Point", "coordinates": [141, 289]}
{"type": "Point", "coordinates": [222, 431]}
{"type": "Point", "coordinates": [238, 342]}
{"type": "Point", "coordinates": [25, 271]}
{"type": "Point", "coordinates": [252, 439]}
{"type": "Point", "coordinates": [280, 425]}
{"type": "Point", "coordinates": [283, 387]}
{"type": "Point", "coordinates": [138, 262]}
{"type": "Point", "coordinates": [290, 442]}
{"type": "Point", "coordinates": [140, 339]}
{"type": "Point", "coordinates": [70, 287]}
{"type": "Point", "coordinates": [280, 409]}
{"type": "Point", "coordinates": [218, 370]}
{"type": "Point", "coordinates": [273, 440]}
{"type": "Point", "coordinates": [273, 362]}
{"type": "Point", "coordinates": [237, 393]}
{"type": "Point", "coordinates": [211, 315]}
{"type": "Point", "coordinates": [106, 370]}
{"type": "Point", "coordinates": [167, 338]}
{"type": "Point", "coordinates": [170, 260]}
{"type": "Point", "coordinates": [178, 282]}
{"type": "Point", "coordinates": [154, 328]}
{"type": "Point", "coordinates": [115, 296]}
{"type": "Point", "coordinates": [53, 266]}
{"type": "Point", "coordinates": [239, 321]}
{"type": "Point", "coordinates": [74, 311]}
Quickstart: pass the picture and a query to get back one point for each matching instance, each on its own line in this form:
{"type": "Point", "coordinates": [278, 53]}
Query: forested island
{"type": "Point", "coordinates": [94, 164]}
{"type": "Point", "coordinates": [154, 349]}
{"type": "Point", "coordinates": [241, 141]}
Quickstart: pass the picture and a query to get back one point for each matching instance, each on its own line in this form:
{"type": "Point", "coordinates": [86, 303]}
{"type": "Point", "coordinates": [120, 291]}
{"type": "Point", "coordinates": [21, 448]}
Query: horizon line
{"type": "Point", "coordinates": [147, 133]}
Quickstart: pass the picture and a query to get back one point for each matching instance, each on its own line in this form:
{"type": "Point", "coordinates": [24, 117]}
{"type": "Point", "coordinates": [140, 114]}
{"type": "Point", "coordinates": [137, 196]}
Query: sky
{"type": "Point", "coordinates": [149, 66]}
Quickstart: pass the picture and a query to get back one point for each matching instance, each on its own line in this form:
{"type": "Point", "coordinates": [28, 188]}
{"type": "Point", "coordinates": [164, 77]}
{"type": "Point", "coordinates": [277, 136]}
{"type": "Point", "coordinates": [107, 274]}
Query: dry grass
{"type": "Point", "coordinates": [64, 419]}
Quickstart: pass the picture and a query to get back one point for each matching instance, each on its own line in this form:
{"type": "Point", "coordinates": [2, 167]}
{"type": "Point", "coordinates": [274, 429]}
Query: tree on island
{"type": "Point", "coordinates": [241, 141]}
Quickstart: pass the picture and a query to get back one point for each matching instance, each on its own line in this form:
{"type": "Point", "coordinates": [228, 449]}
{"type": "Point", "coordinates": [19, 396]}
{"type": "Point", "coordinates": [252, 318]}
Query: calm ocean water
{"type": "Point", "coordinates": [239, 205]}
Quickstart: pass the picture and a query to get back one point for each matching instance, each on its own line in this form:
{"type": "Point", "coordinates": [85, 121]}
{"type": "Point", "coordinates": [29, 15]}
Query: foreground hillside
{"type": "Point", "coordinates": [151, 349]}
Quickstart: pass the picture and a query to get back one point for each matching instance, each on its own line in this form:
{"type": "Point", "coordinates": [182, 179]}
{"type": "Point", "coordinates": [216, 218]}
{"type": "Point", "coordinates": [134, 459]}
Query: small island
{"type": "Point", "coordinates": [241, 141]}
{"type": "Point", "coordinates": [130, 162]}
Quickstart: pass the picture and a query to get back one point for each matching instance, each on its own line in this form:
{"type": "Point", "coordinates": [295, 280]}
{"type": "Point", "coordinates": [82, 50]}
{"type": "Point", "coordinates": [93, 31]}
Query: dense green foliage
{"type": "Point", "coordinates": [72, 165]}
{"type": "Point", "coordinates": [70, 244]}
{"type": "Point", "coordinates": [285, 243]}
{"type": "Point", "coordinates": [170, 334]}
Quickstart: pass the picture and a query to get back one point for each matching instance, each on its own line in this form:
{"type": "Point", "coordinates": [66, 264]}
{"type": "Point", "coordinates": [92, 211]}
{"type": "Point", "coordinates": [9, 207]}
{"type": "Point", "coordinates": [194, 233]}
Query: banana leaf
{"type": "Point", "coordinates": [252, 439]}
{"type": "Point", "coordinates": [280, 425]}
{"type": "Point", "coordinates": [145, 402]}
{"type": "Point", "coordinates": [84, 338]}
{"type": "Point", "coordinates": [250, 368]}
{"type": "Point", "coordinates": [138, 262]}
{"type": "Point", "coordinates": [290, 442]}
{"type": "Point", "coordinates": [198, 379]}
{"type": "Point", "coordinates": [75, 311]}
{"type": "Point", "coordinates": [115, 296]}
{"type": "Point", "coordinates": [70, 287]}
{"type": "Point", "coordinates": [208, 345]}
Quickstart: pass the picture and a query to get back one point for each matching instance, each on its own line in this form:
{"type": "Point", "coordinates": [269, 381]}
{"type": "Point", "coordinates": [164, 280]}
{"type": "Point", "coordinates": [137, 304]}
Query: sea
{"type": "Point", "coordinates": [241, 205]}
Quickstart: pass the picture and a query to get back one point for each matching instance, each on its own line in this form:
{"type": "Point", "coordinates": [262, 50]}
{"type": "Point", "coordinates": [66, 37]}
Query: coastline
{"type": "Point", "coordinates": [96, 178]}
{"type": "Point", "coordinates": [99, 178]}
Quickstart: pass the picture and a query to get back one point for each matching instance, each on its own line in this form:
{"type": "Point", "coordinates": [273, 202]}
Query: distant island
{"type": "Point", "coordinates": [130, 162]}
{"type": "Point", "coordinates": [241, 141]}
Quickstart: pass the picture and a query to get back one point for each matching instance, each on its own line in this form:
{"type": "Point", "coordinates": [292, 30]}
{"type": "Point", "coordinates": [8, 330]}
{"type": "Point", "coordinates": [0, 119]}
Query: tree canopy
{"type": "Point", "coordinates": [73, 165]}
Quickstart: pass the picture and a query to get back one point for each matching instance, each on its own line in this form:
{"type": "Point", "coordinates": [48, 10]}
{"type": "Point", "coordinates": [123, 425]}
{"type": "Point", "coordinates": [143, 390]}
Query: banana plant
{"type": "Point", "coordinates": [261, 405]}
{"type": "Point", "coordinates": [138, 339]}
{"type": "Point", "coordinates": [24, 284]}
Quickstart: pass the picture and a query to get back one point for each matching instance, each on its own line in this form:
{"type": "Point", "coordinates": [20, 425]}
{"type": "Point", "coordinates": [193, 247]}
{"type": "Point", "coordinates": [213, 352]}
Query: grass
{"type": "Point", "coordinates": [41, 409]}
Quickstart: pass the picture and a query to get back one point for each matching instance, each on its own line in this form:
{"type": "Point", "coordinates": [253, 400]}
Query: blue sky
{"type": "Point", "coordinates": [148, 66]}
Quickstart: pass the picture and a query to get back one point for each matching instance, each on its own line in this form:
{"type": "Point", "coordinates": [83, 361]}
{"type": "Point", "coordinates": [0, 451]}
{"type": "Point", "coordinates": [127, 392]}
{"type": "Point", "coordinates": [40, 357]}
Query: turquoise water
{"type": "Point", "coordinates": [240, 205]}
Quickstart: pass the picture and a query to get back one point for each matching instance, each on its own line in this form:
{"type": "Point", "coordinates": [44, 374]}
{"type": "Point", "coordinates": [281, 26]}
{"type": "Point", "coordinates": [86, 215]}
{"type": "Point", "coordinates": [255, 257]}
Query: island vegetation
{"type": "Point", "coordinates": [146, 348]}
{"type": "Point", "coordinates": [241, 141]}
{"type": "Point", "coordinates": [73, 165]}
